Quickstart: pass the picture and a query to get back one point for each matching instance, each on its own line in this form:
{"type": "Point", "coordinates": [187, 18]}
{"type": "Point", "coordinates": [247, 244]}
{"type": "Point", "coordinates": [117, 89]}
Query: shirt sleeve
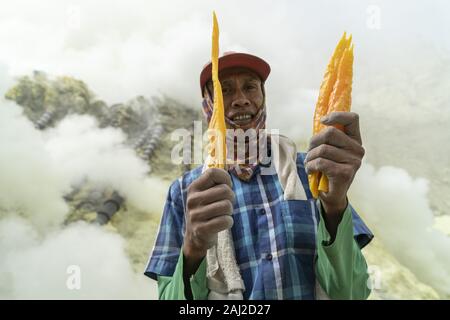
{"type": "Point", "coordinates": [341, 268]}
{"type": "Point", "coordinates": [172, 288]}
{"type": "Point", "coordinates": [166, 250]}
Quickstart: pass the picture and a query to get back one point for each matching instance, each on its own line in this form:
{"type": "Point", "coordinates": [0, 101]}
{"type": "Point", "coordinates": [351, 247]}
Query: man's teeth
{"type": "Point", "coordinates": [243, 117]}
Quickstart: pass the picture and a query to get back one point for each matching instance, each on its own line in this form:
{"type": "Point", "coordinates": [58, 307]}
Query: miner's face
{"type": "Point", "coordinates": [242, 96]}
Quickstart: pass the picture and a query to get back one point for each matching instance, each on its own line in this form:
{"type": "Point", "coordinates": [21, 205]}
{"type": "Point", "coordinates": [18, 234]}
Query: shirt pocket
{"type": "Point", "coordinates": [299, 217]}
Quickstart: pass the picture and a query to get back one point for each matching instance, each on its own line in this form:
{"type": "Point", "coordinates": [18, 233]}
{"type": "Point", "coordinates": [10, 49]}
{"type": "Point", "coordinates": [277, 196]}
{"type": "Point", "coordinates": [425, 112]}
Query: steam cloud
{"type": "Point", "coordinates": [396, 207]}
{"type": "Point", "coordinates": [36, 170]}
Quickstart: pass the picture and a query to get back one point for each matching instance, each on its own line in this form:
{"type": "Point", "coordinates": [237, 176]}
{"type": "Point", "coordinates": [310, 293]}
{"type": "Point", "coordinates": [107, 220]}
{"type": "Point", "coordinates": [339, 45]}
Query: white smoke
{"type": "Point", "coordinates": [396, 207]}
{"type": "Point", "coordinates": [83, 152]}
{"type": "Point", "coordinates": [134, 47]}
{"type": "Point", "coordinates": [36, 169]}
{"type": "Point", "coordinates": [80, 261]}
{"type": "Point", "coordinates": [29, 184]}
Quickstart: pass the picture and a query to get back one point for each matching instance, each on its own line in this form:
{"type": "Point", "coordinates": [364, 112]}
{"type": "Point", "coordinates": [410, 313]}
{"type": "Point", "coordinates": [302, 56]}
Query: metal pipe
{"type": "Point", "coordinates": [109, 208]}
{"type": "Point", "coordinates": [44, 120]}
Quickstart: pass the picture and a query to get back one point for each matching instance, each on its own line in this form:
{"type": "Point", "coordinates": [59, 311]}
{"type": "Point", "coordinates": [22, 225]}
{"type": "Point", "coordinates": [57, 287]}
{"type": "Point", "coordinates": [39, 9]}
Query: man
{"type": "Point", "coordinates": [283, 248]}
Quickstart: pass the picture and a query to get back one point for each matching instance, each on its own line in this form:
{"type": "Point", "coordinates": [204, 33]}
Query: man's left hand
{"type": "Point", "coordinates": [338, 155]}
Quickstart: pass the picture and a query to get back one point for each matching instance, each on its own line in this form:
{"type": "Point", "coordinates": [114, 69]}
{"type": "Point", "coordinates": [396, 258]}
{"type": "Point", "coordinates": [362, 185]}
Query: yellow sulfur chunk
{"type": "Point", "coordinates": [335, 95]}
{"type": "Point", "coordinates": [216, 129]}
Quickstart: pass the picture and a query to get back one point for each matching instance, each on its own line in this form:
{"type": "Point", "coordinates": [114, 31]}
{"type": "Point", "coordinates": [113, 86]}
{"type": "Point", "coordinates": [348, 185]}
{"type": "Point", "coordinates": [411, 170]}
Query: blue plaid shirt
{"type": "Point", "coordinates": [274, 239]}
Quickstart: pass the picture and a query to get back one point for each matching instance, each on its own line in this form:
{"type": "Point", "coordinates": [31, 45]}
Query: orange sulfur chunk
{"type": "Point", "coordinates": [335, 95]}
{"type": "Point", "coordinates": [216, 129]}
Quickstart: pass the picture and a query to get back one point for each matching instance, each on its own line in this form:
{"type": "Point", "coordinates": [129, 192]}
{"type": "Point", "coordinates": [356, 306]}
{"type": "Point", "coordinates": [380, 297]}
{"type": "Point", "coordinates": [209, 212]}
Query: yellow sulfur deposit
{"type": "Point", "coordinates": [335, 95]}
{"type": "Point", "coordinates": [216, 129]}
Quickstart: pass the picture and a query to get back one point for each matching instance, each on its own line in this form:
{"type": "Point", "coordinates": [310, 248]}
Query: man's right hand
{"type": "Point", "coordinates": [209, 208]}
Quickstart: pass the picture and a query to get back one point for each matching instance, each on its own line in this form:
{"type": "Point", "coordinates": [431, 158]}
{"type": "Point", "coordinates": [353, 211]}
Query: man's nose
{"type": "Point", "coordinates": [240, 100]}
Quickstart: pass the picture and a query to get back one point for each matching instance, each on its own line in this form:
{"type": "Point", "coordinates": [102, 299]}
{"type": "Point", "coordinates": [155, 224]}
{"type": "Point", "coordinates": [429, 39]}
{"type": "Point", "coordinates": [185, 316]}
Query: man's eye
{"type": "Point", "coordinates": [225, 90]}
{"type": "Point", "coordinates": [251, 87]}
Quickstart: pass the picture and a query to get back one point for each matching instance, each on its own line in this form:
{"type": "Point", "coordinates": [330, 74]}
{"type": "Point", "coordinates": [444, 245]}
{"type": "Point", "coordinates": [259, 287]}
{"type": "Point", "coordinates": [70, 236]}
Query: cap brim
{"type": "Point", "coordinates": [233, 60]}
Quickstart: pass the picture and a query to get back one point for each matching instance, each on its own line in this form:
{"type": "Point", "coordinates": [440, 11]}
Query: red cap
{"type": "Point", "coordinates": [236, 59]}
